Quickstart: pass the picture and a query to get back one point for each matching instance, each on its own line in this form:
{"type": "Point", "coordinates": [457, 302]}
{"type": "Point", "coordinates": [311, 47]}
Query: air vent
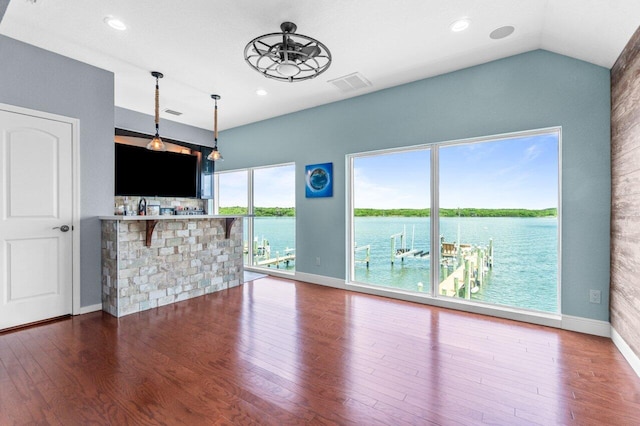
{"type": "Point", "coordinates": [350, 82]}
{"type": "Point", "coordinates": [172, 112]}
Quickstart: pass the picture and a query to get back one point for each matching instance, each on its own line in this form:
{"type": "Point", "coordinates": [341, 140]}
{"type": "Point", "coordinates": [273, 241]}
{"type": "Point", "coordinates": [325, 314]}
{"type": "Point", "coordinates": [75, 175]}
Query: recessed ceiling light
{"type": "Point", "coordinates": [460, 25]}
{"type": "Point", "coordinates": [115, 23]}
{"type": "Point", "coordinates": [261, 92]}
{"type": "Point", "coordinates": [502, 32]}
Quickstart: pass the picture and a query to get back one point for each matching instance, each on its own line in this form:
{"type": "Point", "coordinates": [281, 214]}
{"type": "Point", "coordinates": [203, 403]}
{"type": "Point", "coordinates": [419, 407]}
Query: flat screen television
{"type": "Point", "coordinates": [142, 172]}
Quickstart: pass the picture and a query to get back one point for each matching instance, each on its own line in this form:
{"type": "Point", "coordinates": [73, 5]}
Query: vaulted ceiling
{"type": "Point", "coordinates": [199, 44]}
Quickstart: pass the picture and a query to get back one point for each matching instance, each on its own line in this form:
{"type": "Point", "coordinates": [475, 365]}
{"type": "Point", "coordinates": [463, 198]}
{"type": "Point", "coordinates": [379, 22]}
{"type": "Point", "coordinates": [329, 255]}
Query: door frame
{"type": "Point", "coordinates": [75, 193]}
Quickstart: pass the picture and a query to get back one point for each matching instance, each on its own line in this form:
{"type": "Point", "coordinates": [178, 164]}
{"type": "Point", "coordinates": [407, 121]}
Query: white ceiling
{"type": "Point", "coordinates": [198, 44]}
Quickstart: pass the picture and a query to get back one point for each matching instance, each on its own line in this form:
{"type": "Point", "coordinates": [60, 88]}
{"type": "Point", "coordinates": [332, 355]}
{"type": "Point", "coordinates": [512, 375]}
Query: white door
{"type": "Point", "coordinates": [35, 218]}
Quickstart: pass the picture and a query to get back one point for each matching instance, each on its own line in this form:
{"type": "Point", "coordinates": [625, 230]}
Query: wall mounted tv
{"type": "Point", "coordinates": [142, 172]}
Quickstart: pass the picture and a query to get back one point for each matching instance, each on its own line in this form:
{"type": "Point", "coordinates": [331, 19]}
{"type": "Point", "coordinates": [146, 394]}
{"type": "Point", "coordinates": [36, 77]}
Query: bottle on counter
{"type": "Point", "coordinates": [142, 207]}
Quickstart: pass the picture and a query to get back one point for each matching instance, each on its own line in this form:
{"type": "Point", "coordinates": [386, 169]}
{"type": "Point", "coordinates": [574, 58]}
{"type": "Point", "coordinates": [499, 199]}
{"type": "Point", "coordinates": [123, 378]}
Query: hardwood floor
{"type": "Point", "coordinates": [276, 352]}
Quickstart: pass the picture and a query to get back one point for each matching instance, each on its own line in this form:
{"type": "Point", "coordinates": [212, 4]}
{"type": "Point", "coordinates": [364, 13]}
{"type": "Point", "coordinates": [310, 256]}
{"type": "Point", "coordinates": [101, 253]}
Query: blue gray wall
{"type": "Point", "coordinates": [37, 79]}
{"type": "Point", "coordinates": [529, 91]}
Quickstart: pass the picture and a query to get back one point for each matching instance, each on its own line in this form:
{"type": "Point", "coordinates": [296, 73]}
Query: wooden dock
{"type": "Point", "coordinates": [470, 266]}
{"type": "Point", "coordinates": [286, 259]}
{"type": "Point", "coordinates": [262, 254]}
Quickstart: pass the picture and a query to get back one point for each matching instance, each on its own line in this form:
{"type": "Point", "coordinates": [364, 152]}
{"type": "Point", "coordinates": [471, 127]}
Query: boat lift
{"type": "Point", "coordinates": [403, 252]}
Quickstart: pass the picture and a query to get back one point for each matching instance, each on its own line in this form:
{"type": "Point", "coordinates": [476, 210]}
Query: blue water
{"type": "Point", "coordinates": [525, 268]}
{"type": "Point", "coordinates": [279, 232]}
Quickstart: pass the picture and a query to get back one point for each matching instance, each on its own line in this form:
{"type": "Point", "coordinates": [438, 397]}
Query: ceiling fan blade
{"type": "Point", "coordinates": [310, 51]}
{"type": "Point", "coordinates": [262, 52]}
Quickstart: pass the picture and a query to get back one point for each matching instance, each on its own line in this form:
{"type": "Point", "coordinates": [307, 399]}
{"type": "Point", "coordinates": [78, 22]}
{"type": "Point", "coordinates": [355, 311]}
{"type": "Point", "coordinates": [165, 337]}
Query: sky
{"type": "Point", "coordinates": [273, 187]}
{"type": "Point", "coordinates": [508, 173]}
{"type": "Point", "coordinates": [513, 173]}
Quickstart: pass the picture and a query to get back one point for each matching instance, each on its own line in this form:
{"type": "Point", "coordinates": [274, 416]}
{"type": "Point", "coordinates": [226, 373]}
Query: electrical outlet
{"type": "Point", "coordinates": [594, 296]}
{"type": "Point", "coordinates": [317, 261]}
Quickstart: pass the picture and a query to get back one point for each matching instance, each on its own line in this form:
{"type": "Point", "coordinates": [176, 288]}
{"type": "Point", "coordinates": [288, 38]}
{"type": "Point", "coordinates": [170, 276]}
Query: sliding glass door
{"type": "Point", "coordinates": [495, 206]}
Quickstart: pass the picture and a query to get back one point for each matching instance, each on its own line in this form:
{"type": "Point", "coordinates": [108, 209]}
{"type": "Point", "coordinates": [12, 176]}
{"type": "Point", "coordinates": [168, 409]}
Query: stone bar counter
{"type": "Point", "coordinates": [151, 261]}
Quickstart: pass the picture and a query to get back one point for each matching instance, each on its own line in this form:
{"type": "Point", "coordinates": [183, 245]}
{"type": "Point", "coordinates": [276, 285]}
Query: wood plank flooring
{"type": "Point", "coordinates": [280, 352]}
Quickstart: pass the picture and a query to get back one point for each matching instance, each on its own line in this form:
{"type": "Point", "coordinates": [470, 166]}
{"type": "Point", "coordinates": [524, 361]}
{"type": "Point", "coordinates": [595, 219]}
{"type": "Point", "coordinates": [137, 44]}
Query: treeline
{"type": "Point", "coordinates": [463, 212]}
{"type": "Point", "coordinates": [259, 211]}
{"type": "Point", "coordinates": [392, 212]}
{"type": "Point", "coordinates": [469, 212]}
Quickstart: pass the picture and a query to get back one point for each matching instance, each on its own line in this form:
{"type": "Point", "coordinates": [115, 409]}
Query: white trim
{"type": "Point", "coordinates": [88, 309]}
{"type": "Point", "coordinates": [75, 184]}
{"type": "Point", "coordinates": [548, 320]}
{"type": "Point", "coordinates": [349, 249]}
{"type": "Point", "coordinates": [321, 280]}
{"type": "Point", "coordinates": [434, 204]}
{"type": "Point", "coordinates": [271, 272]}
{"type": "Point", "coordinates": [565, 322]}
{"type": "Point", "coordinates": [431, 297]}
{"type": "Point", "coordinates": [560, 214]}
{"type": "Point", "coordinates": [626, 351]}
{"type": "Point", "coordinates": [586, 325]}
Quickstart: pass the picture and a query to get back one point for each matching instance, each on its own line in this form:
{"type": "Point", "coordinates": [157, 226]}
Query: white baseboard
{"type": "Point", "coordinates": [625, 350]}
{"type": "Point", "coordinates": [534, 318]}
{"type": "Point", "coordinates": [586, 325]}
{"type": "Point", "coordinates": [321, 279]}
{"type": "Point", "coordinates": [90, 308]}
{"type": "Point", "coordinates": [565, 322]}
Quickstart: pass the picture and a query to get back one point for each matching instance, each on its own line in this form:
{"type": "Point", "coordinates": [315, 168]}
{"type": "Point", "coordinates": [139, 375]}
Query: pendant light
{"type": "Point", "coordinates": [156, 143]}
{"type": "Point", "coordinates": [215, 154]}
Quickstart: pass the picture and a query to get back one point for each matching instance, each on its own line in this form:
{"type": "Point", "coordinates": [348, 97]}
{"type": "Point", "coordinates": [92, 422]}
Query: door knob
{"type": "Point", "coordinates": [63, 228]}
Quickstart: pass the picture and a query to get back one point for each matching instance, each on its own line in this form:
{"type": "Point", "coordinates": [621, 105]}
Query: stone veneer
{"type": "Point", "coordinates": [187, 258]}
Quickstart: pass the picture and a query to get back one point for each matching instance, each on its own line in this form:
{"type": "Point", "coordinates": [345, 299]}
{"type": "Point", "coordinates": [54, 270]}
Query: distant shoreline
{"type": "Point", "coordinates": [461, 212]}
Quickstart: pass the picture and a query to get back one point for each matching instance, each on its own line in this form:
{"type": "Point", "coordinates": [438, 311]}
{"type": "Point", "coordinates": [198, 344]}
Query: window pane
{"type": "Point", "coordinates": [391, 224]}
{"type": "Point", "coordinates": [499, 221]}
{"type": "Point", "coordinates": [274, 222]}
{"type": "Point", "coordinates": [233, 193]}
{"type": "Point", "coordinates": [233, 196]}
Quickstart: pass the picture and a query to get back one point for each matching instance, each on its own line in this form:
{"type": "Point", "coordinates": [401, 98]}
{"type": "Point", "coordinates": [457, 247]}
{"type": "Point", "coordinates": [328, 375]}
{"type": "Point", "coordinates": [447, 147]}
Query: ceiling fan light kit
{"type": "Point", "coordinates": [287, 56]}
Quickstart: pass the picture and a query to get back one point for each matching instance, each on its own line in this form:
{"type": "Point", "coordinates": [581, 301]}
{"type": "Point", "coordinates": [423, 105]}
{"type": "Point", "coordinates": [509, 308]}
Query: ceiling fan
{"type": "Point", "coordinates": [287, 56]}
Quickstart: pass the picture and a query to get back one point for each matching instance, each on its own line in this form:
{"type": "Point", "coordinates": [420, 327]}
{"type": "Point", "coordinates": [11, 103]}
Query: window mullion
{"type": "Point", "coordinates": [434, 219]}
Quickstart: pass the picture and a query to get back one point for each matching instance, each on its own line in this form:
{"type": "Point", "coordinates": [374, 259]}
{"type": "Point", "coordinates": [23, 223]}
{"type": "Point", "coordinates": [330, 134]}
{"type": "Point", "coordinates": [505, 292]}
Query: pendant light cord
{"type": "Point", "coordinates": [215, 123]}
{"type": "Point", "coordinates": [157, 107]}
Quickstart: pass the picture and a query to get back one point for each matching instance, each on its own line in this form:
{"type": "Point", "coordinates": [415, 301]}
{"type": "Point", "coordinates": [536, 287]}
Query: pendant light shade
{"type": "Point", "coordinates": [215, 154]}
{"type": "Point", "coordinates": [156, 143]}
